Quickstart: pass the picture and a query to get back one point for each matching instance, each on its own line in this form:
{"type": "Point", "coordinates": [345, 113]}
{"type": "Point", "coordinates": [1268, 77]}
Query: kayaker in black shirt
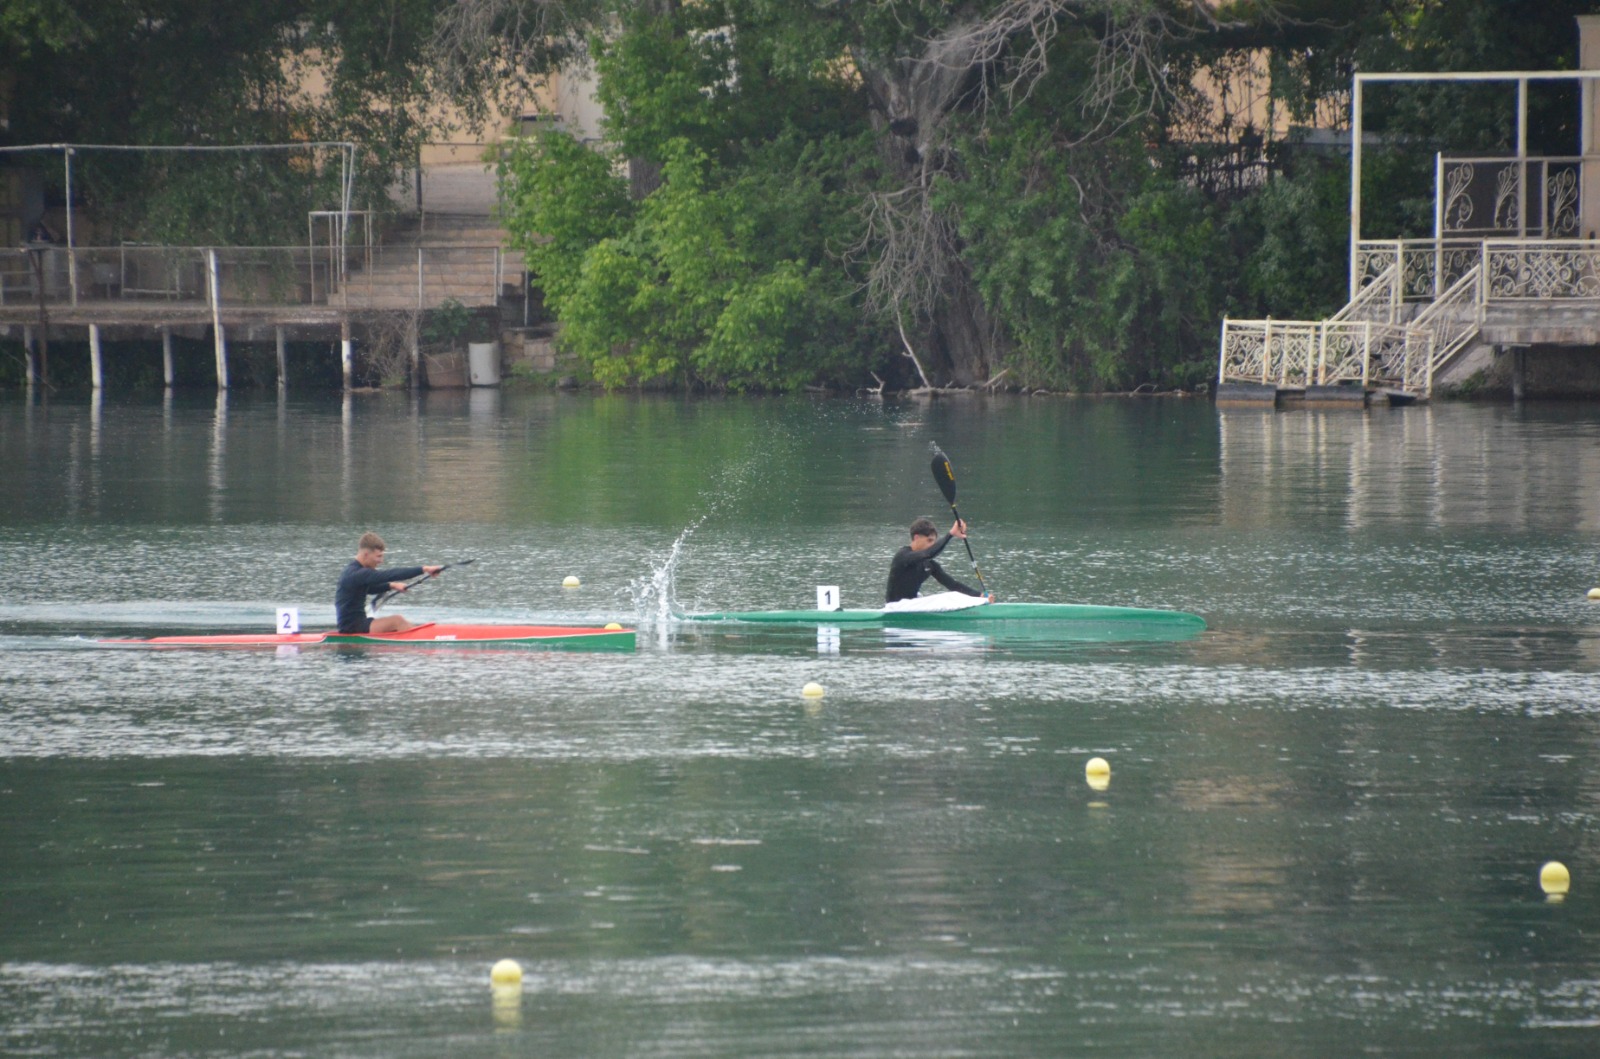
{"type": "Point", "coordinates": [915, 563]}
{"type": "Point", "coordinates": [363, 578]}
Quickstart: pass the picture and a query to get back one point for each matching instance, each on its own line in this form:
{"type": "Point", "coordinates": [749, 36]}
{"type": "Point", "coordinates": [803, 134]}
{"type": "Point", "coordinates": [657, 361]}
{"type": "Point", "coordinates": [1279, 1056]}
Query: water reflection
{"type": "Point", "coordinates": [1446, 467]}
{"type": "Point", "coordinates": [1329, 809]}
{"type": "Point", "coordinates": [218, 467]}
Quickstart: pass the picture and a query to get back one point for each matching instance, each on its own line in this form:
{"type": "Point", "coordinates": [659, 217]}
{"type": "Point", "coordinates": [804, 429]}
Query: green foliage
{"type": "Point", "coordinates": [558, 199]}
{"type": "Point", "coordinates": [1293, 236]}
{"type": "Point", "coordinates": [175, 72]}
{"type": "Point", "coordinates": [655, 86]}
{"type": "Point", "coordinates": [1105, 286]}
{"type": "Point", "coordinates": [447, 325]}
{"type": "Point", "coordinates": [725, 286]}
{"type": "Point", "coordinates": [27, 25]}
{"type": "Point", "coordinates": [722, 76]}
{"type": "Point", "coordinates": [728, 276]}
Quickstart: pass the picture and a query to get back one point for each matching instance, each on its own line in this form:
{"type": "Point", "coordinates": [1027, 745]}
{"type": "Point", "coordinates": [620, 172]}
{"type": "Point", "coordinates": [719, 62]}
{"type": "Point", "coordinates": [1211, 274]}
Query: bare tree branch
{"type": "Point", "coordinates": [912, 248]}
{"type": "Point", "coordinates": [490, 47]}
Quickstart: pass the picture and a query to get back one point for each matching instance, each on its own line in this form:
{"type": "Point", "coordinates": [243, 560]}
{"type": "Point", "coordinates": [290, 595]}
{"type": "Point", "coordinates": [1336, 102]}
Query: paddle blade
{"type": "Point", "coordinates": [945, 475]}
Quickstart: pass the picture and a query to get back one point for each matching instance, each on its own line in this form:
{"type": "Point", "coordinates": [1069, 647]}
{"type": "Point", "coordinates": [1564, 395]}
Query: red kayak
{"type": "Point", "coordinates": [433, 634]}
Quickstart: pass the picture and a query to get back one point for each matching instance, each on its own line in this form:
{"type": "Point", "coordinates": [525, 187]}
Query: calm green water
{"type": "Point", "coordinates": [1322, 835]}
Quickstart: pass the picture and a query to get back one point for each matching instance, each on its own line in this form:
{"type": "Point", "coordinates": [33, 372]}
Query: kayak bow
{"type": "Point", "coordinates": [973, 615]}
{"type": "Point", "coordinates": [431, 634]}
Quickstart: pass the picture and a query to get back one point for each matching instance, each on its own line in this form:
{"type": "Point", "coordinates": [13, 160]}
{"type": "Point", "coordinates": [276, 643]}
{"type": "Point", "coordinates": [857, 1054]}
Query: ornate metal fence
{"type": "Point", "coordinates": [1367, 341]}
{"type": "Point", "coordinates": [1536, 269]}
{"type": "Point", "coordinates": [1360, 337]}
{"type": "Point", "coordinates": [1511, 197]}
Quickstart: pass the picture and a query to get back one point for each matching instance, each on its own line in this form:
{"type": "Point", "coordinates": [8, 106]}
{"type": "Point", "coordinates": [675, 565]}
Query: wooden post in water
{"type": "Point", "coordinates": [222, 356]}
{"type": "Point", "coordinates": [283, 360]}
{"type": "Point", "coordinates": [416, 351]}
{"type": "Point", "coordinates": [29, 356]}
{"type": "Point", "coordinates": [216, 319]}
{"type": "Point", "coordinates": [166, 356]}
{"type": "Point", "coordinates": [346, 353]}
{"type": "Point", "coordinates": [96, 375]}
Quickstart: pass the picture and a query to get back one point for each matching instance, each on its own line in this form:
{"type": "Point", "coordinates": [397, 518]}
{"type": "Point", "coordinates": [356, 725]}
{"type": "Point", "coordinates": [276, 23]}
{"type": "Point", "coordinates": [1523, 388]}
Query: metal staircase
{"type": "Point", "coordinates": [1367, 343]}
{"type": "Point", "coordinates": [454, 256]}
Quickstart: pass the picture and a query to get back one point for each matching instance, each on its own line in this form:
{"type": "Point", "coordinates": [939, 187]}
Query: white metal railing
{"type": "Point", "coordinates": [1312, 353]}
{"type": "Point", "coordinates": [1538, 269]}
{"type": "Point", "coordinates": [1427, 266]}
{"type": "Point", "coordinates": [1516, 269]}
{"type": "Point", "coordinates": [257, 277]}
{"type": "Point", "coordinates": [1377, 301]}
{"type": "Point", "coordinates": [1457, 279]}
{"type": "Point", "coordinates": [1446, 328]}
{"type": "Point", "coordinates": [1367, 341]}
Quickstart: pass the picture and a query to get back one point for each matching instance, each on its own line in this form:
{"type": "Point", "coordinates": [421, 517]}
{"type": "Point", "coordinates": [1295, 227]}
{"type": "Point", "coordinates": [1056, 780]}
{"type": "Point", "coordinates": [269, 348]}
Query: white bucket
{"type": "Point", "coordinates": [483, 363]}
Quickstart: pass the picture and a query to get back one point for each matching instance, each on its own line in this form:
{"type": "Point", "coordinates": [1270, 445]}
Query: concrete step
{"type": "Point", "coordinates": [409, 275]}
{"type": "Point", "coordinates": [438, 283]}
{"type": "Point", "coordinates": [397, 302]}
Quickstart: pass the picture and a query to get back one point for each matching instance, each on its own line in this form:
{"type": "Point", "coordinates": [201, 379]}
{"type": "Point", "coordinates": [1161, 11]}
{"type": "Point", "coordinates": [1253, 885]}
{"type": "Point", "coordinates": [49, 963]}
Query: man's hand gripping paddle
{"type": "Point", "coordinates": [384, 596]}
{"type": "Point", "coordinates": [945, 475]}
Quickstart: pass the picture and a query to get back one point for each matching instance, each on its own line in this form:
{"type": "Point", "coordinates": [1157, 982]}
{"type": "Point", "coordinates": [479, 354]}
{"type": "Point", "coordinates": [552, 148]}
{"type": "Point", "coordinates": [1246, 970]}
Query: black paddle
{"type": "Point", "coordinates": [376, 603]}
{"type": "Point", "coordinates": [945, 475]}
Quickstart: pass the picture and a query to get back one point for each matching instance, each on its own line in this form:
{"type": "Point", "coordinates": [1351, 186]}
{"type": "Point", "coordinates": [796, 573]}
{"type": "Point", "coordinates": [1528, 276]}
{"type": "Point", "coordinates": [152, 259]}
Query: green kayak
{"type": "Point", "coordinates": [1073, 613]}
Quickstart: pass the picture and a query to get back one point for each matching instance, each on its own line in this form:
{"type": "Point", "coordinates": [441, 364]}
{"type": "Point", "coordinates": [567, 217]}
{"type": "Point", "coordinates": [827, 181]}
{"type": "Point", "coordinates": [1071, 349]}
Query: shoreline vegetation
{"type": "Point", "coordinates": [1050, 195]}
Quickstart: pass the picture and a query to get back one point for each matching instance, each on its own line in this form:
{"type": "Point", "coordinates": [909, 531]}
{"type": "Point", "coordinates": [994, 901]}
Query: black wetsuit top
{"type": "Point", "coordinates": [909, 568]}
{"type": "Point", "coordinates": [356, 584]}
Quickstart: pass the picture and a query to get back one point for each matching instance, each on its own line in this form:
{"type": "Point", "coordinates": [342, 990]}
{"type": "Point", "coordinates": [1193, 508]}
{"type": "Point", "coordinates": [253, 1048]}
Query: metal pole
{"type": "Point", "coordinates": [1438, 224]}
{"type": "Point", "coordinates": [311, 251]}
{"type": "Point", "coordinates": [1397, 289]}
{"type": "Point", "coordinates": [1483, 278]}
{"type": "Point", "coordinates": [166, 356]}
{"type": "Point", "coordinates": [1522, 157]}
{"type": "Point", "coordinates": [283, 359]}
{"type": "Point", "coordinates": [1355, 182]}
{"type": "Point", "coordinates": [72, 253]}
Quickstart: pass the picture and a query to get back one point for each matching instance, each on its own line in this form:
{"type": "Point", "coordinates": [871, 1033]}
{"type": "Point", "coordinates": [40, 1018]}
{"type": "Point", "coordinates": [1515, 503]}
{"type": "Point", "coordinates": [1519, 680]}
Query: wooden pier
{"type": "Point", "coordinates": [1269, 396]}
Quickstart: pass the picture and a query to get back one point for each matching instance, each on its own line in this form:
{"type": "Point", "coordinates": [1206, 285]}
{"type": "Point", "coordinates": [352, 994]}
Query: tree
{"type": "Point", "coordinates": [719, 280]}
{"type": "Point", "coordinates": [1030, 188]}
{"type": "Point", "coordinates": [924, 74]}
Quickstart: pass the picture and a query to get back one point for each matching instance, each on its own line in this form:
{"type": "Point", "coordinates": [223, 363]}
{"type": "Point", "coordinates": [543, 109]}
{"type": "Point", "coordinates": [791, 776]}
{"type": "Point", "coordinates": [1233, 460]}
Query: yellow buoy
{"type": "Point", "coordinates": [1594, 593]}
{"type": "Point", "coordinates": [812, 690]}
{"type": "Point", "coordinates": [506, 972]}
{"type": "Point", "coordinates": [570, 581]}
{"type": "Point", "coordinates": [1097, 773]}
{"type": "Point", "coordinates": [612, 626]}
{"type": "Point", "coordinates": [1554, 878]}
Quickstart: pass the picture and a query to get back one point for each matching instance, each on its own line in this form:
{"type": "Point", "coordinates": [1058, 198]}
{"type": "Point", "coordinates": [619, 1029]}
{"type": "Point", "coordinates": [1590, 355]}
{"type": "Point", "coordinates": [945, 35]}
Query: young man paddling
{"type": "Point", "coordinates": [914, 563]}
{"type": "Point", "coordinates": [362, 578]}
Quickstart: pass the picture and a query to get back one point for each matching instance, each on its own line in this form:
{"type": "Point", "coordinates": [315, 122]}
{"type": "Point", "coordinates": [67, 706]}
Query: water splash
{"type": "Point", "coordinates": [655, 598]}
